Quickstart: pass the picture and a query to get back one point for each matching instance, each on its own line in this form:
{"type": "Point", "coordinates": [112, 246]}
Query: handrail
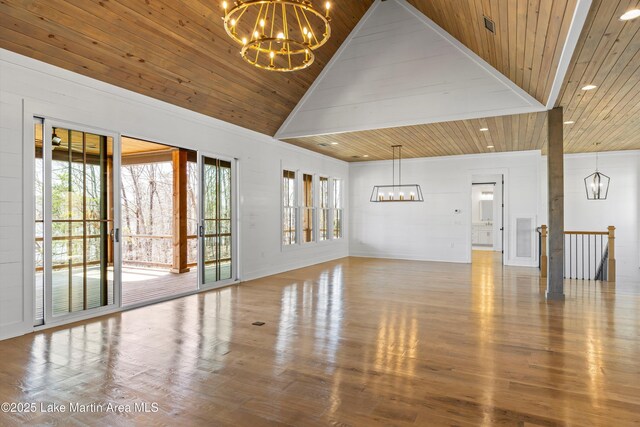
{"type": "Point", "coordinates": [597, 233]}
{"type": "Point", "coordinates": [579, 259]}
{"type": "Point", "coordinates": [164, 236]}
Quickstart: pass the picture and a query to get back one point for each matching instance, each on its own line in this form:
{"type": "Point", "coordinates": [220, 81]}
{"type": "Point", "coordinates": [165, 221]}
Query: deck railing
{"type": "Point", "coordinates": [589, 255]}
{"type": "Point", "coordinates": [162, 252]}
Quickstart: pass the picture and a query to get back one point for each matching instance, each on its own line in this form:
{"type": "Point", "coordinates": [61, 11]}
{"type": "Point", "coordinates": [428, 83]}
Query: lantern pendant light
{"type": "Point", "coordinates": [597, 184]}
{"type": "Point", "coordinates": [396, 192]}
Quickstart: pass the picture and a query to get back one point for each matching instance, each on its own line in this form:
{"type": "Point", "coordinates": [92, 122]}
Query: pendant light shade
{"type": "Point", "coordinates": [597, 184]}
{"type": "Point", "coordinates": [397, 192]}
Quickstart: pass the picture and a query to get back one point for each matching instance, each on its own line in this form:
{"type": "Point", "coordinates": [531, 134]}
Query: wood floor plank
{"type": "Point", "coordinates": [352, 342]}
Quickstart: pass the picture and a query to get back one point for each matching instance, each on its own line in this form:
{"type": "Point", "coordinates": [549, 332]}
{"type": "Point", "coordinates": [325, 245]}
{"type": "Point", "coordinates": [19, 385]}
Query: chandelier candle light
{"type": "Point", "coordinates": [397, 192]}
{"type": "Point", "coordinates": [277, 35]}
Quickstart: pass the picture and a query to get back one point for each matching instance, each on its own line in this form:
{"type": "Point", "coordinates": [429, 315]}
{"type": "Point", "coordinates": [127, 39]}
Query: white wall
{"type": "Point", "coordinates": [37, 88]}
{"type": "Point", "coordinates": [621, 208]}
{"type": "Point", "coordinates": [433, 230]}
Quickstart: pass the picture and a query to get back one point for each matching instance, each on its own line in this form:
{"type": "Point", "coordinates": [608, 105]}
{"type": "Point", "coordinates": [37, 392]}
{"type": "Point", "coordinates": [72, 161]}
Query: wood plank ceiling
{"type": "Point", "coordinates": [178, 52]}
{"type": "Point", "coordinates": [528, 39]}
{"type": "Point", "coordinates": [607, 55]}
{"type": "Point", "coordinates": [171, 50]}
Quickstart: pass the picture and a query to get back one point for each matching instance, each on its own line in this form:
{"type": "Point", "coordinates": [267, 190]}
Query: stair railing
{"type": "Point", "coordinates": [589, 255]}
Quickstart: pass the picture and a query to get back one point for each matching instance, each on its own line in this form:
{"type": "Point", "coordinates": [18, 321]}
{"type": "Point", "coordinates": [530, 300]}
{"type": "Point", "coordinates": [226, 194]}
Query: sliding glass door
{"type": "Point", "coordinates": [77, 230]}
{"type": "Point", "coordinates": [178, 218]}
{"type": "Point", "coordinates": [217, 229]}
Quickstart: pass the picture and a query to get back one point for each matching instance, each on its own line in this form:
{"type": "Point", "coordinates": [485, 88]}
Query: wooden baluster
{"type": "Point", "coordinates": [611, 268]}
{"type": "Point", "coordinates": [543, 251]}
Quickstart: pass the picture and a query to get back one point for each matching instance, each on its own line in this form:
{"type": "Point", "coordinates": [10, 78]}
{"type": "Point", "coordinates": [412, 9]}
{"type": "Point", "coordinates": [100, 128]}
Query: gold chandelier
{"type": "Point", "coordinates": [277, 35]}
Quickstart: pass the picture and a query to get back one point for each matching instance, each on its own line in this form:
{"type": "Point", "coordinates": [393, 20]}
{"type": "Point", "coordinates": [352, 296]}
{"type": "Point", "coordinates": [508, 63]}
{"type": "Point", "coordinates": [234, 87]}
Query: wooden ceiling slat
{"type": "Point", "coordinates": [84, 48]}
{"type": "Point", "coordinates": [197, 52]}
{"type": "Point", "coordinates": [606, 100]}
{"type": "Point", "coordinates": [540, 47]}
{"type": "Point", "coordinates": [558, 30]}
{"type": "Point", "coordinates": [175, 52]}
{"type": "Point", "coordinates": [530, 46]}
{"type": "Point", "coordinates": [528, 39]}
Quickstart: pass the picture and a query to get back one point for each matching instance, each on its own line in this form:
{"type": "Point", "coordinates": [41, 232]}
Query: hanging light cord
{"type": "Point", "coordinates": [393, 167]}
{"type": "Point", "coordinates": [400, 165]}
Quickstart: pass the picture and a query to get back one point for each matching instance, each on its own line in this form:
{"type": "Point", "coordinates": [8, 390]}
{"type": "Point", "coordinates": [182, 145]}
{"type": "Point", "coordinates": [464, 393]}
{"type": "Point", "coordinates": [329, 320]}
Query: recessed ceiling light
{"type": "Point", "coordinates": [334, 143]}
{"type": "Point", "coordinates": [366, 155]}
{"type": "Point", "coordinates": [484, 129]}
{"type": "Point", "coordinates": [569, 122]}
{"type": "Point", "coordinates": [589, 87]}
{"type": "Point", "coordinates": [489, 146]}
{"type": "Point", "coordinates": [631, 14]}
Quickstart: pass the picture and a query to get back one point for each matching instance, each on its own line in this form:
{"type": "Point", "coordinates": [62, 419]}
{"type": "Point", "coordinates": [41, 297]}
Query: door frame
{"type": "Point", "coordinates": [235, 277]}
{"type": "Point", "coordinates": [505, 210]}
{"type": "Point", "coordinates": [49, 319]}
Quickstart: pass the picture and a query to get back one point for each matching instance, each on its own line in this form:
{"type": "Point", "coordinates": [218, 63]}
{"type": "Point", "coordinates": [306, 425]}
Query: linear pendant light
{"type": "Point", "coordinates": [396, 192]}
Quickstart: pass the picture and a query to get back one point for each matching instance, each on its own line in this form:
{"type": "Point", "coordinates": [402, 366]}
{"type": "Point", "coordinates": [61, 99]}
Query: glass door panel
{"type": "Point", "coordinates": [224, 221]}
{"type": "Point", "coordinates": [78, 221]}
{"type": "Point", "coordinates": [217, 228]}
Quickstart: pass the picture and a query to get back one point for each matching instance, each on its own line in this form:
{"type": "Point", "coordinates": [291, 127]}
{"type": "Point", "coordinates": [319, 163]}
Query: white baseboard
{"type": "Point", "coordinates": [404, 257]}
{"type": "Point", "coordinates": [13, 330]}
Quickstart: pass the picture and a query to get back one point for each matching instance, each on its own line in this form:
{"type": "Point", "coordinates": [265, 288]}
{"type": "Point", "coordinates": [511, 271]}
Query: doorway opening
{"type": "Point", "coordinates": [158, 198]}
{"type": "Point", "coordinates": [487, 217]}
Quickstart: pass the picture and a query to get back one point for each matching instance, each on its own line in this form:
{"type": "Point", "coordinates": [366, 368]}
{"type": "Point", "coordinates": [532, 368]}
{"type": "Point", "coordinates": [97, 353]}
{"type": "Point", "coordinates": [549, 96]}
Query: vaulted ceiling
{"type": "Point", "coordinates": [178, 52]}
{"type": "Point", "coordinates": [175, 51]}
{"type": "Point", "coordinates": [607, 55]}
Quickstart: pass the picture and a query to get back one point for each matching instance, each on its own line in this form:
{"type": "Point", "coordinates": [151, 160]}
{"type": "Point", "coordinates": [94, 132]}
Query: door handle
{"type": "Point", "coordinates": [201, 230]}
{"type": "Point", "coordinates": [116, 236]}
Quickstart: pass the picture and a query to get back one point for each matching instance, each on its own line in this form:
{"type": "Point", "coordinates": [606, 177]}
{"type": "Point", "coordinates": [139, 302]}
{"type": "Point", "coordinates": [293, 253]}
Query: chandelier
{"type": "Point", "coordinates": [396, 192]}
{"type": "Point", "coordinates": [597, 184]}
{"type": "Point", "coordinates": [277, 35]}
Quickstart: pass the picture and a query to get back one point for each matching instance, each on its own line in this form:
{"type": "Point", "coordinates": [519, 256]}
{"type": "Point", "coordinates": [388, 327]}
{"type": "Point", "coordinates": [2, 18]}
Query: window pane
{"type": "Point", "coordinates": [324, 224]}
{"type": "Point", "coordinates": [337, 194]}
{"type": "Point", "coordinates": [324, 192]}
{"type": "Point", "coordinates": [337, 224]}
{"type": "Point", "coordinates": [289, 226]}
{"type": "Point", "coordinates": [307, 226]}
{"type": "Point", "coordinates": [289, 211]}
{"type": "Point", "coordinates": [82, 218]}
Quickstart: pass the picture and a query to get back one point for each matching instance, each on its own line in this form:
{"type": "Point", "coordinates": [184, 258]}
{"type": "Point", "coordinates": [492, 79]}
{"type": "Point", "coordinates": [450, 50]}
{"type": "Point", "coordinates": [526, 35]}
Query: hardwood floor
{"type": "Point", "coordinates": [356, 341]}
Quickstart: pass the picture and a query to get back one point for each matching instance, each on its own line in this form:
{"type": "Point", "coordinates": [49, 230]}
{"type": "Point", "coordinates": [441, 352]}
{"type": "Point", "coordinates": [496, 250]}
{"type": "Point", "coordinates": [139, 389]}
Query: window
{"type": "Point", "coordinates": [289, 208]}
{"type": "Point", "coordinates": [308, 208]}
{"type": "Point", "coordinates": [337, 209]}
{"type": "Point", "coordinates": [324, 208]}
